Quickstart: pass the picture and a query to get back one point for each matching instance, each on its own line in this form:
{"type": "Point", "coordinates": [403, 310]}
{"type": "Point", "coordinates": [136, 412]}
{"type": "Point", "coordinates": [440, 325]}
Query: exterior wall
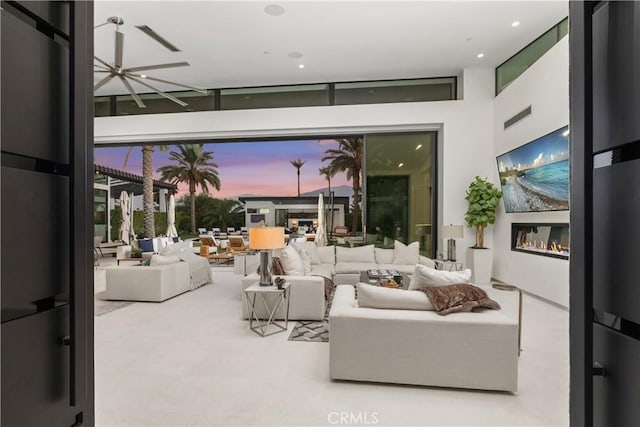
{"type": "Point", "coordinates": [544, 86]}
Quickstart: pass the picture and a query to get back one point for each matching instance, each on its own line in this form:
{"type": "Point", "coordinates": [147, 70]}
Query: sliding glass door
{"type": "Point", "coordinates": [400, 171]}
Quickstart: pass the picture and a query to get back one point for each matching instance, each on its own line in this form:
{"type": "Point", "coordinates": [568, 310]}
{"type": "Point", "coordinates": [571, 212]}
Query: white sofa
{"type": "Point", "coordinates": [339, 264]}
{"type": "Point", "coordinates": [476, 350]}
{"type": "Point", "coordinates": [175, 271]}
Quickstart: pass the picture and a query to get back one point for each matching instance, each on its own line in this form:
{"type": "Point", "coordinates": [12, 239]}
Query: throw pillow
{"type": "Point", "coordinates": [146, 245]}
{"type": "Point", "coordinates": [406, 254]}
{"type": "Point", "coordinates": [424, 276]}
{"type": "Point", "coordinates": [312, 251]}
{"type": "Point", "coordinates": [384, 256]}
{"type": "Point", "coordinates": [458, 298]}
{"type": "Point", "coordinates": [358, 254]}
{"type": "Point", "coordinates": [291, 261]}
{"type": "Point", "coordinates": [327, 254]}
{"type": "Point", "coordinates": [276, 267]}
{"type": "Point", "coordinates": [306, 260]}
{"type": "Point", "coordinates": [163, 259]}
{"type": "Point", "coordinates": [396, 299]}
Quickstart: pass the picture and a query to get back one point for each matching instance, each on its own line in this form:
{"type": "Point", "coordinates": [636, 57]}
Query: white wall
{"type": "Point", "coordinates": [544, 86]}
{"type": "Point", "coordinates": [466, 137]}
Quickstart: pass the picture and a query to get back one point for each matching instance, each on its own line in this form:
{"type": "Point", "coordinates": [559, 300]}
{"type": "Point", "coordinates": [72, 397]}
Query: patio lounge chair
{"type": "Point", "coordinates": [236, 243]}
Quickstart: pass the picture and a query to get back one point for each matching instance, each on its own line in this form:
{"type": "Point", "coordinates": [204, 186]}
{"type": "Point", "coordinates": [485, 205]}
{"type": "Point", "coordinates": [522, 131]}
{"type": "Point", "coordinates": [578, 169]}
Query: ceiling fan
{"type": "Point", "coordinates": [117, 69]}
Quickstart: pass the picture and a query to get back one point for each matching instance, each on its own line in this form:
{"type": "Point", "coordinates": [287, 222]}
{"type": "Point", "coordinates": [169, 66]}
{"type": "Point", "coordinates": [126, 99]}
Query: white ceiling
{"type": "Point", "coordinates": [236, 44]}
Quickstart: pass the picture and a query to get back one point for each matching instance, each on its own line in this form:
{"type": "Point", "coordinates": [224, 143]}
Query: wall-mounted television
{"type": "Point", "coordinates": [535, 176]}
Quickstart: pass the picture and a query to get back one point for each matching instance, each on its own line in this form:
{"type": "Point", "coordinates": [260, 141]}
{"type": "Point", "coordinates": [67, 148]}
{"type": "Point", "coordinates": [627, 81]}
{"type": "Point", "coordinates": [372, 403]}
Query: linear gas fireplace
{"type": "Point", "coordinates": [546, 239]}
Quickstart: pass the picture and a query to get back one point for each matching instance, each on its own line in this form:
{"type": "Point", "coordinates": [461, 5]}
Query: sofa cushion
{"type": "Point", "coordinates": [384, 256]}
{"type": "Point", "coordinates": [406, 254]}
{"type": "Point", "coordinates": [163, 259]}
{"type": "Point", "coordinates": [322, 270]}
{"type": "Point", "coordinates": [379, 297]}
{"type": "Point", "coordinates": [357, 254]}
{"type": "Point", "coordinates": [458, 298]}
{"type": "Point", "coordinates": [291, 261]}
{"type": "Point", "coordinates": [354, 267]}
{"type": "Point", "coordinates": [424, 276]}
{"type": "Point", "coordinates": [401, 268]}
{"type": "Point", "coordinates": [327, 254]}
{"type": "Point", "coordinates": [311, 249]}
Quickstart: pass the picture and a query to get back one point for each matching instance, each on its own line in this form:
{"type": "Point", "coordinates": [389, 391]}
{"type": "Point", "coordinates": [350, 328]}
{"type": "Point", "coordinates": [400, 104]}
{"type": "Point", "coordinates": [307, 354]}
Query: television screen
{"type": "Point", "coordinates": [535, 176]}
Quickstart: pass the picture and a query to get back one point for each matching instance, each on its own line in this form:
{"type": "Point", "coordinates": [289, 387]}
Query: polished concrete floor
{"type": "Point", "coordinates": [191, 361]}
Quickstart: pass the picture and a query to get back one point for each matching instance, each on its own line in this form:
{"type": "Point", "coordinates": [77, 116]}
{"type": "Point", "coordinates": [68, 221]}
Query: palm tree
{"type": "Point", "coordinates": [348, 158]}
{"type": "Point", "coordinates": [148, 204]}
{"type": "Point", "coordinates": [328, 173]}
{"type": "Point", "coordinates": [297, 163]}
{"type": "Point", "coordinates": [195, 167]}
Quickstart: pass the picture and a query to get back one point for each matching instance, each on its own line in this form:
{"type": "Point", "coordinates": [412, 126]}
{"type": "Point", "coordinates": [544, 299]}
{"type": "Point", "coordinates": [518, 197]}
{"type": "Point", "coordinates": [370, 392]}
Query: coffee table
{"type": "Point", "coordinates": [224, 256]}
{"type": "Point", "coordinates": [404, 278]}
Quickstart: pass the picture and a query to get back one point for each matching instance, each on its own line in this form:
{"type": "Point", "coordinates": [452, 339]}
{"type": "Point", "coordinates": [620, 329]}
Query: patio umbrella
{"type": "Point", "coordinates": [321, 232]}
{"type": "Point", "coordinates": [171, 218]}
{"type": "Point", "coordinates": [125, 226]}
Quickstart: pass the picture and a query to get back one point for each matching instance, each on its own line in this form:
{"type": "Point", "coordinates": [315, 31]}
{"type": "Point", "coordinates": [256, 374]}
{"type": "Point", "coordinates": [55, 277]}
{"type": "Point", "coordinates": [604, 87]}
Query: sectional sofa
{"type": "Point", "coordinates": [340, 265]}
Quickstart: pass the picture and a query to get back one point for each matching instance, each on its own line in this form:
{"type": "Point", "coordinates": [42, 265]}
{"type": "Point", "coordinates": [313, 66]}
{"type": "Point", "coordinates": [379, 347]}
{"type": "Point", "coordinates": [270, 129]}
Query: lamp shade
{"type": "Point", "coordinates": [266, 238]}
{"type": "Point", "coordinates": [452, 232]}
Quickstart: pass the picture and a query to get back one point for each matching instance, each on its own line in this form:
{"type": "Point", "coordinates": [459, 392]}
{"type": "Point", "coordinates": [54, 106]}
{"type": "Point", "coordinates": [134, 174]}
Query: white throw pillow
{"type": "Point", "coordinates": [358, 254]}
{"type": "Point", "coordinates": [312, 251]}
{"type": "Point", "coordinates": [306, 259]}
{"type": "Point", "coordinates": [406, 254]}
{"type": "Point", "coordinates": [327, 254]}
{"type": "Point", "coordinates": [384, 256]}
{"type": "Point", "coordinates": [291, 261]}
{"type": "Point", "coordinates": [379, 297]}
{"type": "Point", "coordinates": [424, 276]}
{"type": "Point", "coordinates": [163, 259]}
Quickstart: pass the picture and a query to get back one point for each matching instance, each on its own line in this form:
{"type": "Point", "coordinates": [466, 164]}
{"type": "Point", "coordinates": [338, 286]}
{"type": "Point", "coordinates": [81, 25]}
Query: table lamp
{"type": "Point", "coordinates": [452, 232]}
{"type": "Point", "coordinates": [265, 239]}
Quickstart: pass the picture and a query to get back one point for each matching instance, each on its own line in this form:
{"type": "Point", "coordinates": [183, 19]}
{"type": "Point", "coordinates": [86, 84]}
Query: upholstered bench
{"type": "Point", "coordinates": [147, 283]}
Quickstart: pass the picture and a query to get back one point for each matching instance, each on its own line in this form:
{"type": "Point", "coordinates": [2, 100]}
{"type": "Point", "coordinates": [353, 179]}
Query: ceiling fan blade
{"type": "Point", "coordinates": [103, 82]}
{"type": "Point", "coordinates": [203, 91]}
{"type": "Point", "coordinates": [134, 95]}
{"type": "Point", "coordinates": [101, 71]}
{"type": "Point", "coordinates": [119, 49]}
{"type": "Point", "coordinates": [166, 95]}
{"type": "Point", "coordinates": [158, 66]}
{"type": "Point", "coordinates": [102, 62]}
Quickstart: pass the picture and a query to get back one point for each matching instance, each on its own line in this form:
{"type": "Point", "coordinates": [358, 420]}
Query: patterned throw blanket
{"type": "Point", "coordinates": [458, 298]}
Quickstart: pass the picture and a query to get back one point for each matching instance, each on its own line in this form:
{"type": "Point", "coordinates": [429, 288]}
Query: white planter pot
{"type": "Point", "coordinates": [480, 261]}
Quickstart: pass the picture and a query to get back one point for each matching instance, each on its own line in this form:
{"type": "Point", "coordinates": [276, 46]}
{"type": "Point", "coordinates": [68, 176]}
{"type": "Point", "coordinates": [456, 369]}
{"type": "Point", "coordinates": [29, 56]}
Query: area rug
{"type": "Point", "coordinates": [103, 306]}
{"type": "Point", "coordinates": [313, 330]}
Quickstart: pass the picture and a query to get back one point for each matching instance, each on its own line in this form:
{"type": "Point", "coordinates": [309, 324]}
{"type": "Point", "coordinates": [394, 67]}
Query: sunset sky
{"type": "Point", "coordinates": [258, 168]}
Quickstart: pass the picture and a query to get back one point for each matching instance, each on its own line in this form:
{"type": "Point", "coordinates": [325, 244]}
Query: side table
{"type": "Point", "coordinates": [265, 294]}
{"type": "Point", "coordinates": [442, 264]}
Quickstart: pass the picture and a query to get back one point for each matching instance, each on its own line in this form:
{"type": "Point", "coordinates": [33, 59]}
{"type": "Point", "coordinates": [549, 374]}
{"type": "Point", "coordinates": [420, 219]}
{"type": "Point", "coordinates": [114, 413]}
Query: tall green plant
{"type": "Point", "coordinates": [483, 199]}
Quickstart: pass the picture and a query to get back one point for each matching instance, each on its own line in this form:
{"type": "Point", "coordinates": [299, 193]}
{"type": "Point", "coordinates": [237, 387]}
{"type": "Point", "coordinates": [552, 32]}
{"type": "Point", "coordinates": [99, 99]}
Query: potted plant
{"type": "Point", "coordinates": [482, 197]}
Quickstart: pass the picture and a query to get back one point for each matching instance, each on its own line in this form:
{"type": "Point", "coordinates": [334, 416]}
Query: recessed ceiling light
{"type": "Point", "coordinates": [301, 66]}
{"type": "Point", "coordinates": [143, 76]}
{"type": "Point", "coordinates": [274, 10]}
{"type": "Point", "coordinates": [295, 55]}
{"type": "Point", "coordinates": [515, 23]}
{"type": "Point", "coordinates": [400, 165]}
{"type": "Point", "coordinates": [565, 133]}
{"type": "Point", "coordinates": [481, 55]}
{"type": "Point", "coordinates": [419, 146]}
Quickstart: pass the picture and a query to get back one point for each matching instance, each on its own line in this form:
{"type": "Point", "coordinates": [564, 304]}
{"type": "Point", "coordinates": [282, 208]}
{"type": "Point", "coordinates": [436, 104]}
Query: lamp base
{"type": "Point", "coordinates": [265, 269]}
{"type": "Point", "coordinates": [451, 250]}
